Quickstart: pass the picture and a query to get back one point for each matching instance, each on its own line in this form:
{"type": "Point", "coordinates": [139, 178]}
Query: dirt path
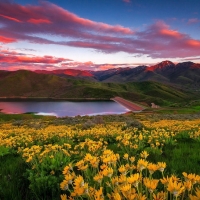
{"type": "Point", "coordinates": [130, 105]}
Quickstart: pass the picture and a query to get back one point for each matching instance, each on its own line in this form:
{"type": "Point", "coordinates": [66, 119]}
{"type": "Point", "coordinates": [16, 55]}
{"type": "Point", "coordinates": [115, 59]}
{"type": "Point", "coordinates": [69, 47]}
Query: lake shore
{"type": "Point", "coordinates": [11, 99]}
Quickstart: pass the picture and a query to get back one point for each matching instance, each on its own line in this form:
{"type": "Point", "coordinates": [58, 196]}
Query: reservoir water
{"type": "Point", "coordinates": [63, 108]}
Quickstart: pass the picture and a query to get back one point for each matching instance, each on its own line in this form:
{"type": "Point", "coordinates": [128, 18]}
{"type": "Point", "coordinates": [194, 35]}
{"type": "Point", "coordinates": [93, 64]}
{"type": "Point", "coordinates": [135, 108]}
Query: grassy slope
{"type": "Point", "coordinates": [28, 84]}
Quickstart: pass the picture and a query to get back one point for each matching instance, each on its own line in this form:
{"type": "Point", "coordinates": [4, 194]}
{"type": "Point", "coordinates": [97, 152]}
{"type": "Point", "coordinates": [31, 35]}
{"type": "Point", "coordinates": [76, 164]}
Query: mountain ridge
{"type": "Point", "coordinates": [28, 84]}
{"type": "Point", "coordinates": [185, 73]}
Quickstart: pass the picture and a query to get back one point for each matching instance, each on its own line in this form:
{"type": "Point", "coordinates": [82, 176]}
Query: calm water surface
{"type": "Point", "coordinates": [62, 109]}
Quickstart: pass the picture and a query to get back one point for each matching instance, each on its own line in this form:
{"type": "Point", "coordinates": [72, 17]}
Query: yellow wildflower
{"type": "Point", "coordinates": [122, 169]}
{"type": "Point", "coordinates": [108, 172]}
{"type": "Point", "coordinates": [98, 177]}
{"type": "Point", "coordinates": [151, 184]}
{"type": "Point", "coordinates": [175, 188]}
{"type": "Point", "coordinates": [190, 177]}
{"type": "Point", "coordinates": [125, 156]}
{"type": "Point", "coordinates": [152, 168]}
{"type": "Point", "coordinates": [134, 179]}
{"type": "Point", "coordinates": [63, 197]}
{"type": "Point", "coordinates": [159, 196]}
{"type": "Point", "coordinates": [99, 194]}
{"type": "Point", "coordinates": [141, 164]}
{"type": "Point", "coordinates": [144, 154]}
{"type": "Point", "coordinates": [196, 196]}
{"type": "Point", "coordinates": [132, 159]}
{"type": "Point", "coordinates": [161, 166]}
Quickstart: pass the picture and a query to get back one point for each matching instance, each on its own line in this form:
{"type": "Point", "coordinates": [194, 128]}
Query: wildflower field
{"type": "Point", "coordinates": [100, 158]}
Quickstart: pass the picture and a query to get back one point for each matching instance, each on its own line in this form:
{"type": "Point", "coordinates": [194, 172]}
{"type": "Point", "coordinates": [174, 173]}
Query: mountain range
{"type": "Point", "coordinates": [186, 74]}
{"type": "Point", "coordinates": [164, 83]}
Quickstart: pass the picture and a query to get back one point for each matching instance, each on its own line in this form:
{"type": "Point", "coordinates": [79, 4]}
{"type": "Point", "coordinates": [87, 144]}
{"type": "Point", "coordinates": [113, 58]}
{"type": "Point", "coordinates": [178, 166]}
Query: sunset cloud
{"type": "Point", "coordinates": [6, 39]}
{"type": "Point", "coordinates": [28, 22]}
{"type": "Point", "coordinates": [39, 21]}
{"type": "Point", "coordinates": [10, 18]}
{"type": "Point", "coordinates": [193, 21]}
{"type": "Point", "coordinates": [9, 57]}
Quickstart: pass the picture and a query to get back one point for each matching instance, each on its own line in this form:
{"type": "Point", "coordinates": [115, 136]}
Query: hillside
{"type": "Point", "coordinates": [30, 84]}
{"type": "Point", "coordinates": [185, 75]}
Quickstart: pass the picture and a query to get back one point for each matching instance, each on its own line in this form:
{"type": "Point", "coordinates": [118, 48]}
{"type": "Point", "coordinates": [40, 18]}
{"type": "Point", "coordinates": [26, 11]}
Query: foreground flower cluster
{"type": "Point", "coordinates": [110, 177]}
{"type": "Point", "coordinates": [104, 161]}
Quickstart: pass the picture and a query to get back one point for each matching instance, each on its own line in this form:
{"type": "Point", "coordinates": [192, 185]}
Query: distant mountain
{"type": "Point", "coordinates": [83, 74]}
{"type": "Point", "coordinates": [24, 84]}
{"type": "Point", "coordinates": [186, 74]}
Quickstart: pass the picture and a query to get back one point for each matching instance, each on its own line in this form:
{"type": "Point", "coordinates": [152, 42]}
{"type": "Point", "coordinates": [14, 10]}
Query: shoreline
{"type": "Point", "coordinates": [21, 99]}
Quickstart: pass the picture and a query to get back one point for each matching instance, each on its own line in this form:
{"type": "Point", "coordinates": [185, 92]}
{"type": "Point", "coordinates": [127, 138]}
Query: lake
{"type": "Point", "coordinates": [63, 108]}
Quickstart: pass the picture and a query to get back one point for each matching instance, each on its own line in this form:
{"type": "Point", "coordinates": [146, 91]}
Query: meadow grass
{"type": "Point", "coordinates": [38, 155]}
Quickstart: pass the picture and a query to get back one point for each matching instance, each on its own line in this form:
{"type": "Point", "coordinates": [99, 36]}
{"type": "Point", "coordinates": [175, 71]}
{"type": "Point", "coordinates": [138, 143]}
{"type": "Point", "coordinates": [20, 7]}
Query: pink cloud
{"type": "Point", "coordinates": [127, 1]}
{"type": "Point", "coordinates": [106, 67]}
{"type": "Point", "coordinates": [39, 21]}
{"type": "Point", "coordinates": [157, 40]}
{"type": "Point", "coordinates": [171, 33]}
{"type": "Point", "coordinates": [7, 40]}
{"type": "Point", "coordinates": [193, 21]}
{"type": "Point", "coordinates": [10, 18]}
{"type": "Point", "coordinates": [7, 56]}
{"type": "Point", "coordinates": [54, 14]}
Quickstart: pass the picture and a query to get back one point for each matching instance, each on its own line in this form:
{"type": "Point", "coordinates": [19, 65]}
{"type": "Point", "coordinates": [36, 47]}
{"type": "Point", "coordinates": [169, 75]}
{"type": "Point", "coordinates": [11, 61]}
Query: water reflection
{"type": "Point", "coordinates": [66, 108]}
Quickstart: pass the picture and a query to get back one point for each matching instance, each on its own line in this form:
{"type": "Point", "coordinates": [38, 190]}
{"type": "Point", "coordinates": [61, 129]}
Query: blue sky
{"type": "Point", "coordinates": [97, 34]}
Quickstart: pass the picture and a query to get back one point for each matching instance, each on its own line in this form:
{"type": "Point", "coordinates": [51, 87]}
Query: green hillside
{"type": "Point", "coordinates": [29, 84]}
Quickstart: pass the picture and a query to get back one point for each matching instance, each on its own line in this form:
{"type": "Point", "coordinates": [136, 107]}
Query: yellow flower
{"type": "Point", "coordinates": [83, 167]}
{"type": "Point", "coordinates": [151, 184]}
{"type": "Point", "coordinates": [161, 166]}
{"type": "Point", "coordinates": [104, 166]}
{"type": "Point", "coordinates": [122, 169]}
{"type": "Point", "coordinates": [66, 170]}
{"type": "Point", "coordinates": [107, 172]}
{"type": "Point", "coordinates": [175, 178]}
{"type": "Point", "coordinates": [188, 185]}
{"type": "Point", "coordinates": [122, 178]}
{"type": "Point", "coordinates": [64, 185]}
{"type": "Point", "coordinates": [196, 196]}
{"type": "Point", "coordinates": [68, 178]}
{"type": "Point", "coordinates": [141, 197]}
{"type": "Point", "coordinates": [175, 188]}
{"type": "Point", "coordinates": [79, 181]}
{"type": "Point", "coordinates": [63, 197]}
{"type": "Point", "coordinates": [140, 137]}
{"type": "Point", "coordinates": [152, 168]}
{"type": "Point", "coordinates": [125, 156]}
{"type": "Point", "coordinates": [144, 154]}
{"type": "Point", "coordinates": [98, 177]}
{"type": "Point", "coordinates": [125, 188]}
{"type": "Point", "coordinates": [132, 159]}
{"type": "Point", "coordinates": [134, 179]}
{"type": "Point", "coordinates": [115, 180]}
{"type": "Point", "coordinates": [94, 162]}
{"type": "Point", "coordinates": [165, 181]}
{"type": "Point", "coordinates": [29, 159]}
{"type": "Point", "coordinates": [88, 157]}
{"type": "Point", "coordinates": [190, 177]}
{"type": "Point", "coordinates": [159, 196]}
{"type": "Point", "coordinates": [116, 196]}
{"type": "Point", "coordinates": [141, 164]}
{"type": "Point", "coordinates": [99, 194]}
{"type": "Point", "coordinates": [79, 164]}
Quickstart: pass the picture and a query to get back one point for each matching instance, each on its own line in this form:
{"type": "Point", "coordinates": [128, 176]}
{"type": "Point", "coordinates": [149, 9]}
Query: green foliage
{"type": "Point", "coordinates": [13, 185]}
{"type": "Point", "coordinates": [38, 86]}
{"type": "Point", "coordinates": [45, 177]}
{"type": "Point", "coordinates": [4, 151]}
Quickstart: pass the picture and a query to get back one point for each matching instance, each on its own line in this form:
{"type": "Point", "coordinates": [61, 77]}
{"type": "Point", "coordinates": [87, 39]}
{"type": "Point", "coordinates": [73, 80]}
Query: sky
{"type": "Point", "coordinates": [97, 34]}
